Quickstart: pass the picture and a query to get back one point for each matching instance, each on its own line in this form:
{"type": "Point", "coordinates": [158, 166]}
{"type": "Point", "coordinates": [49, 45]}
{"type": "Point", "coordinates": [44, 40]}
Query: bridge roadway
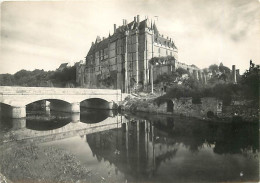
{"type": "Point", "coordinates": [18, 97]}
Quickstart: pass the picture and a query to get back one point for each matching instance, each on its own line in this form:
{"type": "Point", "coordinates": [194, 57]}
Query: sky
{"type": "Point", "coordinates": [44, 34]}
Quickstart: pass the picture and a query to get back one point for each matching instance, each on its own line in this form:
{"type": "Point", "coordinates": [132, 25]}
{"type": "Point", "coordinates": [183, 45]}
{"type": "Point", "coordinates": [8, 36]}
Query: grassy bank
{"type": "Point", "coordinates": [43, 164]}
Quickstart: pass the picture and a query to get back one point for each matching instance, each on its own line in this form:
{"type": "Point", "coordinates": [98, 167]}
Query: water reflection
{"type": "Point", "coordinates": [95, 116]}
{"type": "Point", "coordinates": [44, 120]}
{"type": "Point", "coordinates": [182, 150]}
{"type": "Point", "coordinates": [40, 125]}
{"type": "Point", "coordinates": [151, 148]}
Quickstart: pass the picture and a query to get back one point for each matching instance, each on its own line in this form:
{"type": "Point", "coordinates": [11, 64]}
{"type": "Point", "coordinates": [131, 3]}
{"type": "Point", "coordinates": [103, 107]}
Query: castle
{"type": "Point", "coordinates": [122, 59]}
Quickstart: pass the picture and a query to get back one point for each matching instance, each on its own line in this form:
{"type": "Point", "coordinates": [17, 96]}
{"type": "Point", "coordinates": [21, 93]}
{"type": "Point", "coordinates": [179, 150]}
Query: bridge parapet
{"type": "Point", "coordinates": [8, 90]}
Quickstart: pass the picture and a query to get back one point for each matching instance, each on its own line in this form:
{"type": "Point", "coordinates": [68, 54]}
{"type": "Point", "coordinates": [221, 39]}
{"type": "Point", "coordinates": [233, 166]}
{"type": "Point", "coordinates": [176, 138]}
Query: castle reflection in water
{"type": "Point", "coordinates": [148, 149]}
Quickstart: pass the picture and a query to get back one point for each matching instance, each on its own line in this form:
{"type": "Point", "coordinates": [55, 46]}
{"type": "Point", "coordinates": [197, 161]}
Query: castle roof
{"type": "Point", "coordinates": [131, 26]}
{"type": "Point", "coordinates": [142, 24]}
{"type": "Point", "coordinates": [98, 46]}
{"type": "Point", "coordinates": [166, 42]}
{"type": "Point", "coordinates": [101, 44]}
{"type": "Point", "coordinates": [62, 66]}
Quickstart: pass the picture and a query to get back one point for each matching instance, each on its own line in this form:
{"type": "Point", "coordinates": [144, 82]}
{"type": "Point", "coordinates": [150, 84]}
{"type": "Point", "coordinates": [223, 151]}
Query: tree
{"type": "Point", "coordinates": [7, 80]}
{"type": "Point", "coordinates": [181, 71]}
{"type": "Point", "coordinates": [159, 60]}
{"type": "Point", "coordinates": [214, 68]}
{"type": "Point", "coordinates": [250, 81]}
{"type": "Point", "coordinates": [40, 78]}
{"type": "Point", "coordinates": [224, 69]}
{"type": "Point", "coordinates": [192, 83]}
{"type": "Point", "coordinates": [168, 79]}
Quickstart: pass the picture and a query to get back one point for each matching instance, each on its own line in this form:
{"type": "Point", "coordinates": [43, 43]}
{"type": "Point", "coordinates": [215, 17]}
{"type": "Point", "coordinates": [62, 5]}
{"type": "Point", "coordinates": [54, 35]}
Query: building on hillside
{"type": "Point", "coordinates": [122, 59]}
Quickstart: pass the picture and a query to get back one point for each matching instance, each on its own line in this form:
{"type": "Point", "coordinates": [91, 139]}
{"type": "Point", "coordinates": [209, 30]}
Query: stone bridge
{"type": "Point", "coordinates": [65, 99]}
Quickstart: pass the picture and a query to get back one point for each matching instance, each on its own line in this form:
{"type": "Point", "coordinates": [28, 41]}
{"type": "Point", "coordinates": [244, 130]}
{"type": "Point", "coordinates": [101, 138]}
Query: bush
{"type": "Point", "coordinates": [225, 92]}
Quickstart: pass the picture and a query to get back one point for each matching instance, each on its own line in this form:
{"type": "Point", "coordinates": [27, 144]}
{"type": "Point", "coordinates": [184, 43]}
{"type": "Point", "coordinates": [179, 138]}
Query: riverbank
{"type": "Point", "coordinates": [184, 107]}
{"type": "Point", "coordinates": [41, 164]}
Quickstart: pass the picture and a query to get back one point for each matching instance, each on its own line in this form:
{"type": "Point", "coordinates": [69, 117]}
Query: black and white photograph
{"type": "Point", "coordinates": [129, 91]}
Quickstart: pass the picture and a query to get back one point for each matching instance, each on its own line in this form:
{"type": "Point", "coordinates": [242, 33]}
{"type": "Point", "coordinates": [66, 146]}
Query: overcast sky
{"type": "Point", "coordinates": [42, 35]}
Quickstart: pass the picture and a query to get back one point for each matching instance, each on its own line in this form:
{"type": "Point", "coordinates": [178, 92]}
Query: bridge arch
{"type": "Point", "coordinates": [42, 98]}
{"type": "Point", "coordinates": [50, 104]}
{"type": "Point", "coordinates": [97, 103]}
{"type": "Point", "coordinates": [6, 103]}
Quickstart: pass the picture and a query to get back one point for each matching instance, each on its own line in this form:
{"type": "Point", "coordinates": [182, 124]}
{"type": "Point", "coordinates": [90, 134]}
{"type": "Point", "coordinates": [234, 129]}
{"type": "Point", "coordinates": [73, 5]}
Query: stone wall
{"type": "Point", "coordinates": [211, 104]}
{"type": "Point", "coordinates": [209, 108]}
{"type": "Point", "coordinates": [182, 106]}
{"type": "Point", "coordinates": [247, 113]}
{"type": "Point", "coordinates": [186, 107]}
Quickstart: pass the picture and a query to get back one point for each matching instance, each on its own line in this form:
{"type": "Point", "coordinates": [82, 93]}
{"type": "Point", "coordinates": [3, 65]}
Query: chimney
{"type": "Point", "coordinates": [134, 19]}
{"type": "Point", "coordinates": [138, 19]}
{"type": "Point", "coordinates": [237, 74]}
{"type": "Point", "coordinates": [123, 21]}
{"type": "Point", "coordinates": [234, 74]}
{"type": "Point", "coordinates": [114, 28]}
{"type": "Point", "coordinates": [103, 38]}
{"type": "Point", "coordinates": [195, 74]}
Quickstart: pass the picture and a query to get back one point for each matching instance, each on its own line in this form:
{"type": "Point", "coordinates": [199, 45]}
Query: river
{"type": "Point", "coordinates": [142, 147]}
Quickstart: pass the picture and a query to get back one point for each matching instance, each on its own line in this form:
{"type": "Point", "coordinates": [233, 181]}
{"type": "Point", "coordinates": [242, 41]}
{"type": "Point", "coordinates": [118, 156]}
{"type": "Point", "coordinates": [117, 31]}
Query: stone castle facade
{"type": "Point", "coordinates": [122, 59]}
